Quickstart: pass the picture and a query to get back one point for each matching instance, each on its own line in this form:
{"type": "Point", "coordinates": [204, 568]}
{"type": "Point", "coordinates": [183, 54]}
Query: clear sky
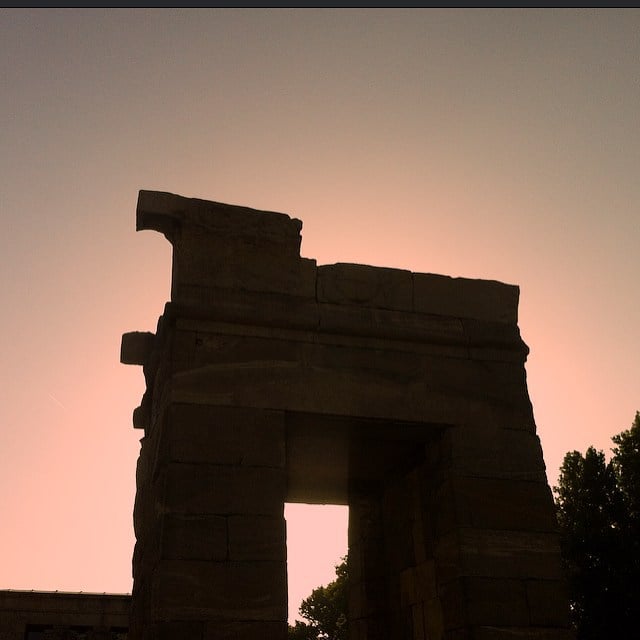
{"type": "Point", "coordinates": [500, 144]}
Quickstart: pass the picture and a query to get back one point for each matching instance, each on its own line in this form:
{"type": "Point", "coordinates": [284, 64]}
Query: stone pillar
{"type": "Point", "coordinates": [495, 541]}
{"type": "Point", "coordinates": [210, 556]}
{"type": "Point", "coordinates": [210, 559]}
{"type": "Point", "coordinates": [368, 599]}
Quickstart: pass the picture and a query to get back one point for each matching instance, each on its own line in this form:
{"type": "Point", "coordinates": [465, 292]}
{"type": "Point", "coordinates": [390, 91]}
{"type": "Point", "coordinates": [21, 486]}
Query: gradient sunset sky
{"type": "Point", "coordinates": [499, 144]}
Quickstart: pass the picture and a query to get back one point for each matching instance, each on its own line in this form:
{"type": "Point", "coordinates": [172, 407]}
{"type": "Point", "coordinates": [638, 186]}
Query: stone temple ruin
{"type": "Point", "coordinates": [403, 395]}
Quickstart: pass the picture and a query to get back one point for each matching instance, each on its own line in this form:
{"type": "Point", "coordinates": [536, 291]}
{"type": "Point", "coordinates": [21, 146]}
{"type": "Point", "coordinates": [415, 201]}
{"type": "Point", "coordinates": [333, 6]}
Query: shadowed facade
{"type": "Point", "coordinates": [271, 379]}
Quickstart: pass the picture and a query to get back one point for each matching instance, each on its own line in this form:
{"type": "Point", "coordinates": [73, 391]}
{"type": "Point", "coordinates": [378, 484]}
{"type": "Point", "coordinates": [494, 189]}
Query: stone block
{"type": "Point", "coordinates": [465, 298]}
{"type": "Point", "coordinates": [498, 554]}
{"type": "Point", "coordinates": [223, 436]}
{"type": "Point", "coordinates": [390, 324]}
{"type": "Point", "coordinates": [223, 490]}
{"type": "Point", "coordinates": [493, 452]}
{"type": "Point", "coordinates": [433, 618]}
{"type": "Point", "coordinates": [232, 591]}
{"type": "Point", "coordinates": [194, 538]}
{"type": "Point", "coordinates": [357, 284]}
{"type": "Point", "coordinates": [426, 587]}
{"type": "Point", "coordinates": [484, 601]}
{"type": "Point", "coordinates": [481, 412]}
{"type": "Point", "coordinates": [257, 538]}
{"type": "Point", "coordinates": [484, 503]}
{"type": "Point", "coordinates": [250, 630]}
{"type": "Point", "coordinates": [485, 335]}
{"type": "Point", "coordinates": [367, 598]}
{"type": "Point", "coordinates": [224, 348]}
{"type": "Point", "coordinates": [237, 263]}
{"type": "Point", "coordinates": [408, 587]}
{"type": "Point", "coordinates": [223, 245]}
{"type": "Point", "coordinates": [203, 309]}
{"type": "Point", "coordinates": [418, 621]}
{"type": "Point", "coordinates": [136, 347]}
{"type": "Point", "coordinates": [548, 602]}
{"type": "Point", "coordinates": [285, 386]}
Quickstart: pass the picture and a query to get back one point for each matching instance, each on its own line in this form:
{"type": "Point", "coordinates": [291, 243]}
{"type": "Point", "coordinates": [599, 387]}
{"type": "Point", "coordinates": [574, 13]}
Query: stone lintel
{"type": "Point", "coordinates": [324, 320]}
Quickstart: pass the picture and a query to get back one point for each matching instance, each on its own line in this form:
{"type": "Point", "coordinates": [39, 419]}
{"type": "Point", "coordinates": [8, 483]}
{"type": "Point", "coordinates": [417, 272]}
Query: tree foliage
{"type": "Point", "coordinates": [325, 609]}
{"type": "Point", "coordinates": [598, 507]}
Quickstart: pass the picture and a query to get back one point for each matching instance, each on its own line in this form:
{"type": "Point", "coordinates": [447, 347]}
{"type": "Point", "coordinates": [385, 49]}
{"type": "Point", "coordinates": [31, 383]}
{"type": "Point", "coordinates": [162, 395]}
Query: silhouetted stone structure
{"type": "Point", "coordinates": [59, 615]}
{"type": "Point", "coordinates": [400, 394]}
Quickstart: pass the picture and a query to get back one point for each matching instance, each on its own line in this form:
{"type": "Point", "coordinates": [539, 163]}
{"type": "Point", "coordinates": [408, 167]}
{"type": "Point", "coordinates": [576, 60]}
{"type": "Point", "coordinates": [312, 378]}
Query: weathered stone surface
{"type": "Point", "coordinates": [465, 298]}
{"type": "Point", "coordinates": [257, 538]}
{"type": "Point", "coordinates": [403, 395]}
{"type": "Point", "coordinates": [357, 284]}
{"type": "Point", "coordinates": [219, 245]}
{"type": "Point", "coordinates": [221, 590]}
{"type": "Point", "coordinates": [251, 630]}
{"type": "Point", "coordinates": [195, 538]}
{"type": "Point", "coordinates": [59, 612]}
{"type": "Point", "coordinates": [498, 554]}
{"type": "Point", "coordinates": [223, 436]}
{"type": "Point", "coordinates": [200, 306]}
{"type": "Point", "coordinates": [166, 212]}
{"type": "Point", "coordinates": [493, 452]}
{"type": "Point", "coordinates": [484, 601]}
{"type": "Point", "coordinates": [483, 503]}
{"type": "Point", "coordinates": [390, 324]}
{"type": "Point", "coordinates": [136, 347]}
{"type": "Point", "coordinates": [548, 603]}
{"type": "Point", "coordinates": [223, 490]}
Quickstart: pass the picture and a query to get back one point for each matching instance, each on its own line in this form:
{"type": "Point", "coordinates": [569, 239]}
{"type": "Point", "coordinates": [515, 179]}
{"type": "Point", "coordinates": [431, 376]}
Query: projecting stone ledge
{"type": "Point", "coordinates": [136, 347]}
{"type": "Point", "coordinates": [223, 245]}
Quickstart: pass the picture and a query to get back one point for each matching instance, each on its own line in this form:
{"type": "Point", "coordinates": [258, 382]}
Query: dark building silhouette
{"type": "Point", "coordinates": [57, 615]}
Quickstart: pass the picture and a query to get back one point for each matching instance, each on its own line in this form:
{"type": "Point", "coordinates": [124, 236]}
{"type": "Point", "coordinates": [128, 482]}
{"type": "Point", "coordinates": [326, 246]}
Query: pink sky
{"type": "Point", "coordinates": [501, 144]}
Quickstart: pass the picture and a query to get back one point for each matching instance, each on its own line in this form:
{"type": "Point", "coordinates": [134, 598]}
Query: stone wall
{"type": "Point", "coordinates": [403, 395]}
{"type": "Point", "coordinates": [57, 615]}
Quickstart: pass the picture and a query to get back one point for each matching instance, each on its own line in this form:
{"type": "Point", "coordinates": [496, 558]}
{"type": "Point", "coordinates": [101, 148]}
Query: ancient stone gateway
{"type": "Point", "coordinates": [400, 394]}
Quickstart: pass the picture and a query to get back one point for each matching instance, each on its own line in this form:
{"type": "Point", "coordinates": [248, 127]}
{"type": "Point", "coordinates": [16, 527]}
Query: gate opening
{"type": "Point", "coordinates": [316, 543]}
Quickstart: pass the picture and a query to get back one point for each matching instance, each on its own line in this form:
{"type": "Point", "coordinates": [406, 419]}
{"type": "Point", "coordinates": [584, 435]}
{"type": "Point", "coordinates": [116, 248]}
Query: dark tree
{"type": "Point", "coordinates": [326, 610]}
{"type": "Point", "coordinates": [597, 506]}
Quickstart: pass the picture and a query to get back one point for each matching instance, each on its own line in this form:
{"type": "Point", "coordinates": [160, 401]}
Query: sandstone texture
{"type": "Point", "coordinates": [404, 395]}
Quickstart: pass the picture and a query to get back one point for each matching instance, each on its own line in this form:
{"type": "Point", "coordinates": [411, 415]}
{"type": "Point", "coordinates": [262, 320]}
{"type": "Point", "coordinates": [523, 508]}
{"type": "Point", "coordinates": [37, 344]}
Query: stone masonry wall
{"type": "Point", "coordinates": [400, 394]}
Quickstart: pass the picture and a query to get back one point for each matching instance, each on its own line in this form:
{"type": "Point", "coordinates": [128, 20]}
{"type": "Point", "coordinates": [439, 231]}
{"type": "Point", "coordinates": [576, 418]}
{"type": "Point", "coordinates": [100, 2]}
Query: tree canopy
{"type": "Point", "coordinates": [598, 507]}
{"type": "Point", "coordinates": [325, 609]}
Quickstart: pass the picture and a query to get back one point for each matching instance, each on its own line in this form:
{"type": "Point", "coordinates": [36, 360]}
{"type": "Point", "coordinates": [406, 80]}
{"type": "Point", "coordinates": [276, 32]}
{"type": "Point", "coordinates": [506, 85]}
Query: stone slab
{"type": "Point", "coordinates": [357, 284]}
{"type": "Point", "coordinates": [498, 554]}
{"type": "Point", "coordinates": [483, 503]}
{"type": "Point", "coordinates": [465, 298]}
{"type": "Point", "coordinates": [231, 591]}
{"type": "Point", "coordinates": [194, 538]}
{"type": "Point", "coordinates": [235, 436]}
{"type": "Point", "coordinates": [223, 490]}
{"type": "Point", "coordinates": [257, 538]}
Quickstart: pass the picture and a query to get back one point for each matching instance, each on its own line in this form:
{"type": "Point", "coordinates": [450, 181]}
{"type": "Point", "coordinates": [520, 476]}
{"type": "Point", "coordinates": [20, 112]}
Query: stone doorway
{"type": "Point", "coordinates": [272, 379]}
